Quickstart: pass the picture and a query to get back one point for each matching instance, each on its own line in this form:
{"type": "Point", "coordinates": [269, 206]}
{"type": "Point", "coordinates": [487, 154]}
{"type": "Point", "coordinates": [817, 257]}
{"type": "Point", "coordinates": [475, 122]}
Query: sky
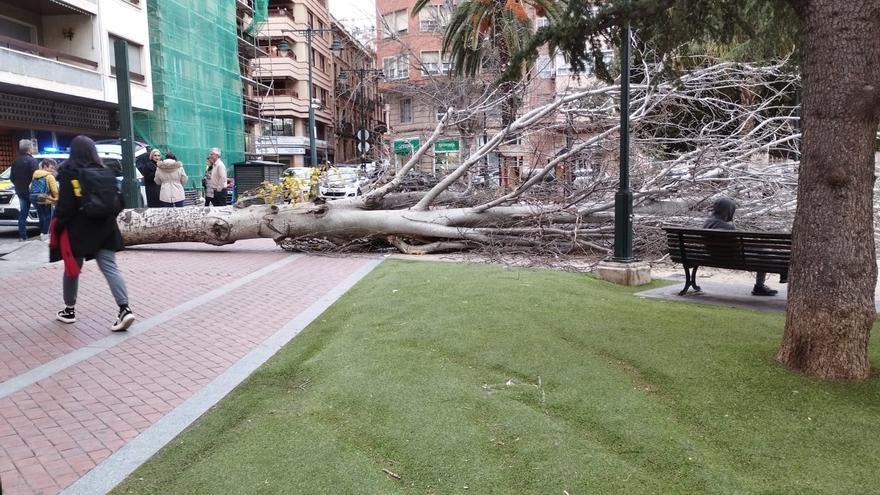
{"type": "Point", "coordinates": [355, 13]}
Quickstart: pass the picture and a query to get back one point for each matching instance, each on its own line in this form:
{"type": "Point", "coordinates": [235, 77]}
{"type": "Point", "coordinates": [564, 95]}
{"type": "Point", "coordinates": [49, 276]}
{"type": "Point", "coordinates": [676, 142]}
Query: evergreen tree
{"type": "Point", "coordinates": [830, 309]}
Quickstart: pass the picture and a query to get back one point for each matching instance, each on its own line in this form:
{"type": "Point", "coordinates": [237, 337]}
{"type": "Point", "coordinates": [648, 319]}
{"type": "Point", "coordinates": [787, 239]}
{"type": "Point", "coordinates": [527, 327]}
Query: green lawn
{"type": "Point", "coordinates": [477, 379]}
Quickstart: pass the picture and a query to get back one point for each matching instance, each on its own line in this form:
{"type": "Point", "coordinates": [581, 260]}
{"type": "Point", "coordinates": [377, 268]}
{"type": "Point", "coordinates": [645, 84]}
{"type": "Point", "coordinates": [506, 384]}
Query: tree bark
{"type": "Point", "coordinates": [833, 269]}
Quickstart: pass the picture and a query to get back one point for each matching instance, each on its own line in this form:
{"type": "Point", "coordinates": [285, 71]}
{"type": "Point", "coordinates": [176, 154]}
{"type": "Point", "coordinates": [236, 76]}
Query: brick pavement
{"type": "Point", "coordinates": [58, 427]}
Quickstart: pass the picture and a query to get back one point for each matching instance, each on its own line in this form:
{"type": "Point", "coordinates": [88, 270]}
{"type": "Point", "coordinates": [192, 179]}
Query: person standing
{"type": "Point", "coordinates": [148, 171]}
{"type": "Point", "coordinates": [171, 177]}
{"type": "Point", "coordinates": [215, 179]}
{"type": "Point", "coordinates": [44, 194]}
{"type": "Point", "coordinates": [85, 228]}
{"type": "Point", "coordinates": [23, 169]}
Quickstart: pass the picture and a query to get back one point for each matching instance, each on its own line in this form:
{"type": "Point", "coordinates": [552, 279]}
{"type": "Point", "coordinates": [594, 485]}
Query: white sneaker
{"type": "Point", "coordinates": [44, 237]}
{"type": "Point", "coordinates": [123, 321]}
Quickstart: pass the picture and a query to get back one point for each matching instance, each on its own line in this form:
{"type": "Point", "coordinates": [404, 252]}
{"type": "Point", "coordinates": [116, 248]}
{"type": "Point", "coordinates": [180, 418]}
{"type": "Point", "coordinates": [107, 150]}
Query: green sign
{"type": "Point", "coordinates": [445, 145]}
{"type": "Point", "coordinates": [402, 146]}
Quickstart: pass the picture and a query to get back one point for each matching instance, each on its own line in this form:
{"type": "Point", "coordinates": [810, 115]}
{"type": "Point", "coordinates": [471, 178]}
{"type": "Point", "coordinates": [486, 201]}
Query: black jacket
{"type": "Point", "coordinates": [722, 215]}
{"type": "Point", "coordinates": [87, 234]}
{"type": "Point", "coordinates": [148, 170]}
{"type": "Point", "coordinates": [23, 169]}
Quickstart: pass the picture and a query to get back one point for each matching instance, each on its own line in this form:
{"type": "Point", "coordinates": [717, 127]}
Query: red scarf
{"type": "Point", "coordinates": [62, 243]}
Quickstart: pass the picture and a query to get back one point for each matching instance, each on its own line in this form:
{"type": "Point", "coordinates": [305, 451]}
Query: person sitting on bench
{"type": "Point", "coordinates": [722, 219]}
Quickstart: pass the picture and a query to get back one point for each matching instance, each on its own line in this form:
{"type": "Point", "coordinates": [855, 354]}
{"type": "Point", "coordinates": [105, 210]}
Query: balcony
{"type": "Point", "coordinates": [21, 63]}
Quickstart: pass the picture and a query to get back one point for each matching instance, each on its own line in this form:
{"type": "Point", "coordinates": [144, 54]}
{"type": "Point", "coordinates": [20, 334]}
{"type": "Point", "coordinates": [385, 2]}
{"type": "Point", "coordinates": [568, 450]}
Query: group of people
{"type": "Point", "coordinates": [164, 180]}
{"type": "Point", "coordinates": [34, 184]}
{"type": "Point", "coordinates": [79, 232]}
{"type": "Point", "coordinates": [86, 201]}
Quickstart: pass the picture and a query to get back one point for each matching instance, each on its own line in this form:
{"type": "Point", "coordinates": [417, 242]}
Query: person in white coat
{"type": "Point", "coordinates": [215, 180]}
{"type": "Point", "coordinates": [171, 177]}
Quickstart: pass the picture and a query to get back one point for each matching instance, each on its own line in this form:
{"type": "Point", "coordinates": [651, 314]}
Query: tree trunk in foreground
{"type": "Point", "coordinates": [833, 269]}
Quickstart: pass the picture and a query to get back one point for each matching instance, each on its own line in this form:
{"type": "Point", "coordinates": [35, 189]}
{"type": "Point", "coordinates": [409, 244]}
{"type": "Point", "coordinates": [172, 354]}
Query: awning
{"type": "Point", "coordinates": [71, 7]}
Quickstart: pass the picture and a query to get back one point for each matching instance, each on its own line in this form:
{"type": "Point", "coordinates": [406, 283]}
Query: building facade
{"type": "Point", "coordinates": [284, 75]}
{"type": "Point", "coordinates": [57, 70]}
{"type": "Point", "coordinates": [416, 89]}
{"type": "Point", "coordinates": [358, 109]}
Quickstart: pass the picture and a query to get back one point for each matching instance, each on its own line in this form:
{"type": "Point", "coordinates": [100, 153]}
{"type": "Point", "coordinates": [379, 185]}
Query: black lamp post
{"type": "Point", "coordinates": [623, 200]}
{"type": "Point", "coordinates": [336, 48]}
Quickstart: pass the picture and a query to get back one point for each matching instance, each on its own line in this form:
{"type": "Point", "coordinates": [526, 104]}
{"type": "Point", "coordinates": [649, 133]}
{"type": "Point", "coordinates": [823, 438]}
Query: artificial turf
{"type": "Point", "coordinates": [443, 378]}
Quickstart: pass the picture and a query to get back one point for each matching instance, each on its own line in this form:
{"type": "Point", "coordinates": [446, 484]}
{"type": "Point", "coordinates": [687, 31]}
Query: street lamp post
{"type": "Point", "coordinates": [363, 142]}
{"type": "Point", "coordinates": [335, 47]}
{"type": "Point", "coordinates": [623, 200]}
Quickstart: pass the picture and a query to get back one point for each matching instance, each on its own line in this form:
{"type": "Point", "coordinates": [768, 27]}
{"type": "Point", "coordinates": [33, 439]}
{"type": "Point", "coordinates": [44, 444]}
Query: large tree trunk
{"type": "Point", "coordinates": [833, 270]}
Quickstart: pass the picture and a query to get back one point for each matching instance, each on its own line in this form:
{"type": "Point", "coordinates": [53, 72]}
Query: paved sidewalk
{"type": "Point", "coordinates": [73, 397]}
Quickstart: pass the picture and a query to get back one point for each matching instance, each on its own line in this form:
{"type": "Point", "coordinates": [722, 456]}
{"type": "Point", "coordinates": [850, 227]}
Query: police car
{"type": "Point", "coordinates": [111, 155]}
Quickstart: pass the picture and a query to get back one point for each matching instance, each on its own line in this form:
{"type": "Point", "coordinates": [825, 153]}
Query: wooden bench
{"type": "Point", "coordinates": [768, 252]}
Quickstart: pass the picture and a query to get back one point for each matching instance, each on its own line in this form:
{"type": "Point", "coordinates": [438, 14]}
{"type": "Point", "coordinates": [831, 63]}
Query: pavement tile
{"type": "Point", "coordinates": [57, 429]}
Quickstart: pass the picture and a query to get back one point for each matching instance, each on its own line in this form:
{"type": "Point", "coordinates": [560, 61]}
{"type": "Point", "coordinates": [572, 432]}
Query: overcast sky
{"type": "Point", "coordinates": [361, 13]}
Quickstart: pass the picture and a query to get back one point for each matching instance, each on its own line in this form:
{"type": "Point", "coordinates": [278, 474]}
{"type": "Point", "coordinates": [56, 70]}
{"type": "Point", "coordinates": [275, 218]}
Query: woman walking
{"type": "Point", "coordinates": [85, 227]}
{"type": "Point", "coordinates": [170, 177]}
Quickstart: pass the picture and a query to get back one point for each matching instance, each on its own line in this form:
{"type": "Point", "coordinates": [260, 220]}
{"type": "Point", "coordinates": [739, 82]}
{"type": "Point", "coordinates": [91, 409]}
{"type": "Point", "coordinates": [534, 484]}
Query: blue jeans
{"type": "Point", "coordinates": [176, 204]}
{"type": "Point", "coordinates": [24, 206]}
{"type": "Point", "coordinates": [45, 214]}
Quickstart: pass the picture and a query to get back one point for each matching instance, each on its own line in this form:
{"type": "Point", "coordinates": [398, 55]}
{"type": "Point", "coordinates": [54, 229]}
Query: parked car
{"type": "Point", "coordinates": [340, 183]}
{"type": "Point", "coordinates": [9, 206]}
{"type": "Point", "coordinates": [302, 183]}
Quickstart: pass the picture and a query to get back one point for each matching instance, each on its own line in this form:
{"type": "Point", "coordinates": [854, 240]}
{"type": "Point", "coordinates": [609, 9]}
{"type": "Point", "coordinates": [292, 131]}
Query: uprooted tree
{"type": "Point", "coordinates": [695, 139]}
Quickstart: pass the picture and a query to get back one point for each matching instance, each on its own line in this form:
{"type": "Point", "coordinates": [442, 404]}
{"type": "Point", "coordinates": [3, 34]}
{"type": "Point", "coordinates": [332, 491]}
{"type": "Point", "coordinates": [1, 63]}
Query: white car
{"type": "Point", "coordinates": [9, 203]}
{"type": "Point", "coordinates": [340, 183]}
{"type": "Point", "coordinates": [303, 176]}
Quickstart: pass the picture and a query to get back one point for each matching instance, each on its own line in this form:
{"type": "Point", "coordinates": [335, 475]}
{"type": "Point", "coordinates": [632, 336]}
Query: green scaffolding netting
{"type": "Point", "coordinates": [261, 15]}
{"type": "Point", "coordinates": [197, 89]}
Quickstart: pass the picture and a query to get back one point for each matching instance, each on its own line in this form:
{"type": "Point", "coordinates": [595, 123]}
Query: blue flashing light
{"type": "Point", "coordinates": [50, 149]}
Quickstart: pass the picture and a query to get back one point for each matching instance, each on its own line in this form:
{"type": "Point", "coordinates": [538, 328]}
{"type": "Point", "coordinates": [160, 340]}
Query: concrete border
{"type": "Point", "coordinates": [20, 381]}
{"type": "Point", "coordinates": [106, 475]}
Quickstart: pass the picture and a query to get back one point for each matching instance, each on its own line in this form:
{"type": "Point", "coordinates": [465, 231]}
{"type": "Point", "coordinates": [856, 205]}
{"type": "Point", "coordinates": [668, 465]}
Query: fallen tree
{"type": "Point", "coordinates": [694, 137]}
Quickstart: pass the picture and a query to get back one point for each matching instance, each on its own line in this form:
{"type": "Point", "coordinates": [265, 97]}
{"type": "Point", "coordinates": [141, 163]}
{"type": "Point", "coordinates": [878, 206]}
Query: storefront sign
{"type": "Point", "coordinates": [408, 145]}
{"type": "Point", "coordinates": [446, 145]}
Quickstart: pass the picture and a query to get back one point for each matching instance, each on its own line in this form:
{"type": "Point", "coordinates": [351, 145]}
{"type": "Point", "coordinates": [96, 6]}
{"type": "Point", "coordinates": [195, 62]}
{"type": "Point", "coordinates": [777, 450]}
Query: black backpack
{"type": "Point", "coordinates": [101, 197]}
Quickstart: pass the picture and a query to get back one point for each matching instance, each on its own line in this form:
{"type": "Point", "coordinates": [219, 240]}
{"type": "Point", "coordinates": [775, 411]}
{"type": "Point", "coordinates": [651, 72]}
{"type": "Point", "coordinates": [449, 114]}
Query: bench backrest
{"type": "Point", "coordinates": [734, 249]}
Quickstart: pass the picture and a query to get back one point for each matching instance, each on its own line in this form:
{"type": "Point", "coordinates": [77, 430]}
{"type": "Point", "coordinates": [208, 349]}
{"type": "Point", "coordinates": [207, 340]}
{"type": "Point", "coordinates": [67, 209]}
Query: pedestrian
{"type": "Point", "coordinates": [171, 177]}
{"type": "Point", "coordinates": [722, 219]}
{"type": "Point", "coordinates": [84, 227]}
{"type": "Point", "coordinates": [147, 169]}
{"type": "Point", "coordinates": [215, 179]}
{"type": "Point", "coordinates": [22, 172]}
{"type": "Point", "coordinates": [209, 192]}
{"type": "Point", "coordinates": [44, 194]}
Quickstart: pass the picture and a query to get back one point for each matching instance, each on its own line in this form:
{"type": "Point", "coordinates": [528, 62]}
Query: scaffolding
{"type": "Point", "coordinates": [197, 81]}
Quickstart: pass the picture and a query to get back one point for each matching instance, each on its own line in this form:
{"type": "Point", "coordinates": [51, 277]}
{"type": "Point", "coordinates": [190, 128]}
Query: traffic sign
{"type": "Point", "coordinates": [363, 135]}
{"type": "Point", "coordinates": [363, 147]}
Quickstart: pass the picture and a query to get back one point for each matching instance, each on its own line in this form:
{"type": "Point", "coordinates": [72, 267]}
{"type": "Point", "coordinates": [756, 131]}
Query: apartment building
{"type": "Point", "coordinates": [57, 70]}
{"type": "Point", "coordinates": [416, 89]}
{"type": "Point", "coordinates": [285, 74]}
{"type": "Point", "coordinates": [356, 102]}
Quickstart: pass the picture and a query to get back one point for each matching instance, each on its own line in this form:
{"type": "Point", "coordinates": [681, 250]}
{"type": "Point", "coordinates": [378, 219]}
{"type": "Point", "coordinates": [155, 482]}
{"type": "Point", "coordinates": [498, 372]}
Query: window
{"type": "Point", "coordinates": [394, 23]}
{"type": "Point", "coordinates": [433, 18]}
{"type": "Point", "coordinates": [562, 66]}
{"type": "Point", "coordinates": [134, 55]}
{"type": "Point", "coordinates": [311, 20]}
{"type": "Point", "coordinates": [283, 127]}
{"type": "Point", "coordinates": [432, 64]}
{"type": "Point", "coordinates": [322, 62]}
{"type": "Point", "coordinates": [396, 67]}
{"type": "Point", "coordinates": [544, 67]}
{"type": "Point", "coordinates": [16, 30]}
{"type": "Point", "coordinates": [406, 114]}
{"type": "Point", "coordinates": [541, 22]}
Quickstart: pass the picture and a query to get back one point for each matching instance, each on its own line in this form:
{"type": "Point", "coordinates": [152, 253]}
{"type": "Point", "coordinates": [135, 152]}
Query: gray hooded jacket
{"type": "Point", "coordinates": [722, 215]}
